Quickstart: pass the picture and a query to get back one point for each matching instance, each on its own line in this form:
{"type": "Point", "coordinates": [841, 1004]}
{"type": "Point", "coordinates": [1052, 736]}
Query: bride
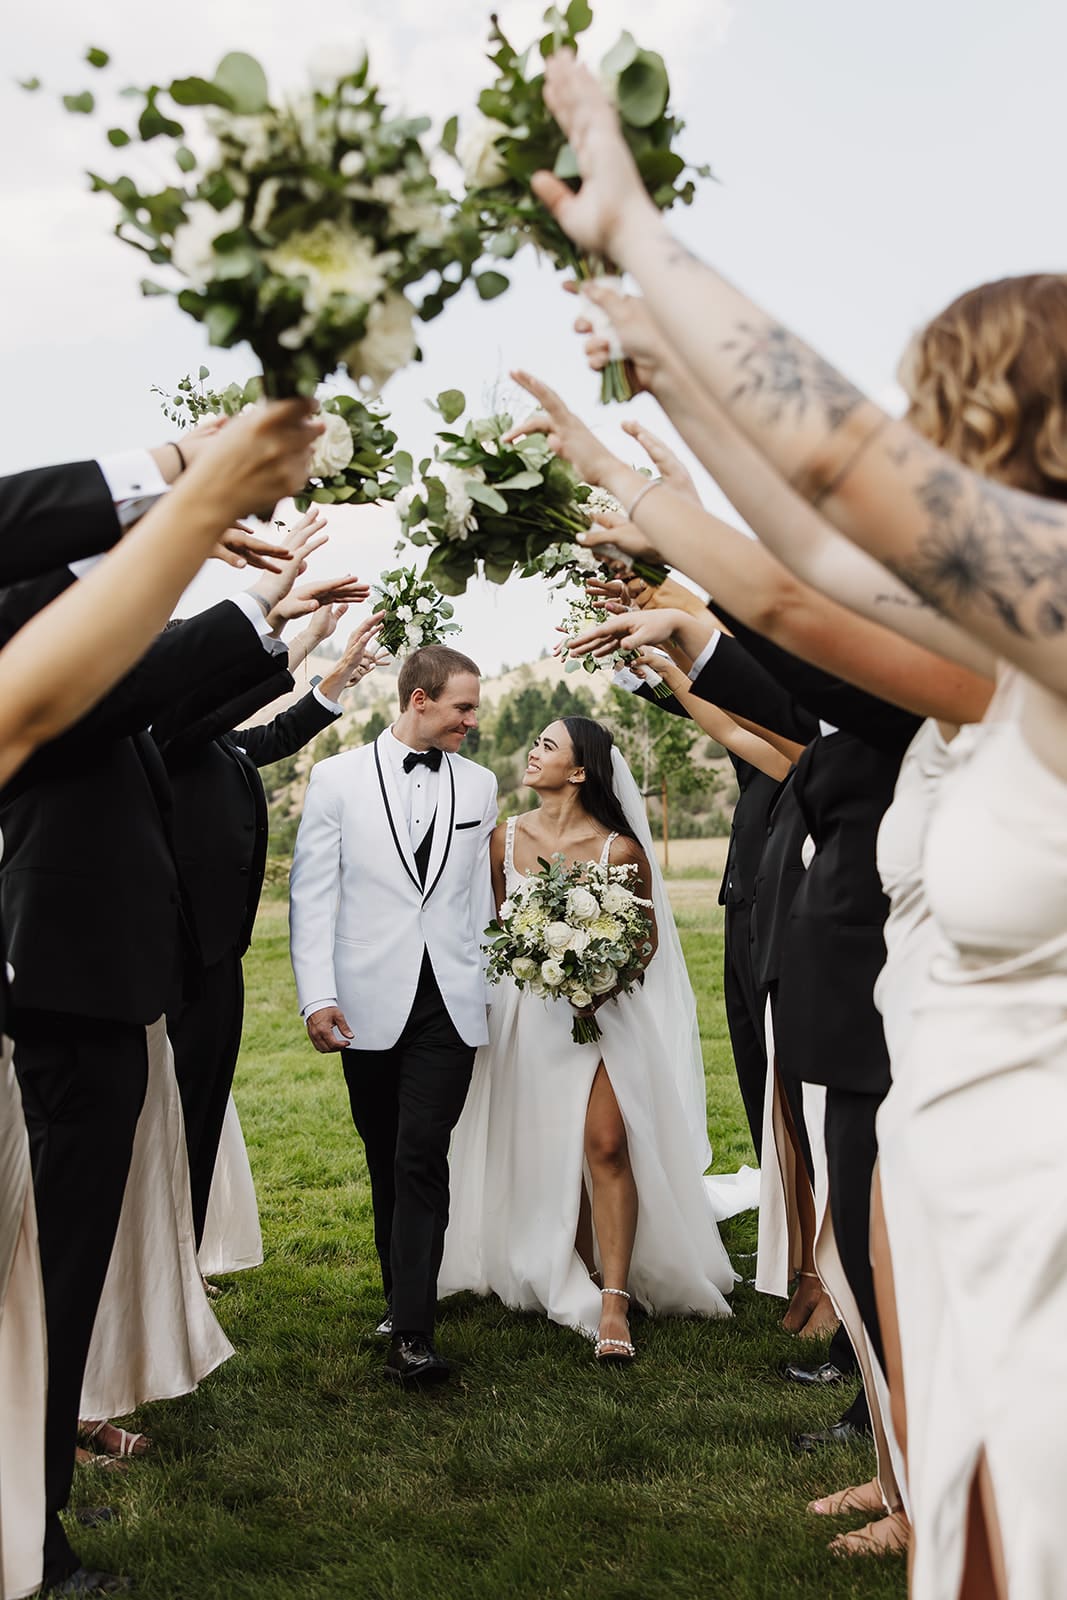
{"type": "Point", "coordinates": [577, 1168]}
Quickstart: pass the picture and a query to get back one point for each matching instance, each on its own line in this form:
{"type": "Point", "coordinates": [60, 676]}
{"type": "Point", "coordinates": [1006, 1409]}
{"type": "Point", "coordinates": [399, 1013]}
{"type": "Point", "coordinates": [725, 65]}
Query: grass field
{"type": "Point", "coordinates": [297, 1471]}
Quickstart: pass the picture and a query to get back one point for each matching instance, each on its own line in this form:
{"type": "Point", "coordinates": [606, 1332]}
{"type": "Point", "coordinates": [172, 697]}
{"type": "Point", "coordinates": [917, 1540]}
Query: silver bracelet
{"type": "Point", "coordinates": [646, 488]}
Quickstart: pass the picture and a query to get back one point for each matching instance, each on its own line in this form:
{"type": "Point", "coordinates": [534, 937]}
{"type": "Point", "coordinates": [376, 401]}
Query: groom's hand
{"type": "Point", "coordinates": [321, 1030]}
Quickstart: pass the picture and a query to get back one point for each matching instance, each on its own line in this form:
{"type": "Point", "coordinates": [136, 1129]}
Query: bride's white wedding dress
{"type": "Point", "coordinates": [517, 1158]}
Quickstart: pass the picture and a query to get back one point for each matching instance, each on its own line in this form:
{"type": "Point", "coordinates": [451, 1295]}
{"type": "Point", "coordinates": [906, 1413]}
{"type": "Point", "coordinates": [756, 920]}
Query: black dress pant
{"type": "Point", "coordinates": [83, 1083]}
{"type": "Point", "coordinates": [405, 1102]}
{"type": "Point", "coordinates": [744, 1017]}
{"type": "Point", "coordinates": [851, 1152]}
{"type": "Point", "coordinates": [205, 1032]}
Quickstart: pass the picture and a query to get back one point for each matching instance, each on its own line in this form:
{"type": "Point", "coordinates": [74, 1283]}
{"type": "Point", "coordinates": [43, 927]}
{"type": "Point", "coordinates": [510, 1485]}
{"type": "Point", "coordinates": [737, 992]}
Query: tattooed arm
{"type": "Point", "coordinates": [991, 558]}
{"type": "Point", "coordinates": [745, 578]}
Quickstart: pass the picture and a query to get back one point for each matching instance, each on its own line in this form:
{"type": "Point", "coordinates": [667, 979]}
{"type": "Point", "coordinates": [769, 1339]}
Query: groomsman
{"type": "Point", "coordinates": [90, 900]}
{"type": "Point", "coordinates": [220, 840]}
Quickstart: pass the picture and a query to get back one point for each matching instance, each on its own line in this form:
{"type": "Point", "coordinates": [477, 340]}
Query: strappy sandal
{"type": "Point", "coordinates": [890, 1536]}
{"type": "Point", "coordinates": [90, 1434]}
{"type": "Point", "coordinates": [615, 1352]}
{"type": "Point", "coordinates": [85, 1458]}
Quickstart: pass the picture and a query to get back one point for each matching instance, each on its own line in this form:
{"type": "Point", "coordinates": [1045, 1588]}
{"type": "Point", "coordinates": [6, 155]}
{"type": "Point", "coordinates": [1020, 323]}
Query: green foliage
{"type": "Point", "coordinates": [415, 613]}
{"type": "Point", "coordinates": [325, 744]}
{"type": "Point", "coordinates": [374, 725]}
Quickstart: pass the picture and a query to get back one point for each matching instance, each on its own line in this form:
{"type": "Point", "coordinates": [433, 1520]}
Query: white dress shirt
{"type": "Point", "coordinates": [418, 789]}
{"type": "Point", "coordinates": [704, 657]}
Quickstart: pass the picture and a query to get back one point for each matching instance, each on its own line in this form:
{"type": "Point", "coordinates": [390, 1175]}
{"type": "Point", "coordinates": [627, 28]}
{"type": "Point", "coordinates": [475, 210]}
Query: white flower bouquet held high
{"type": "Point", "coordinates": [299, 225]}
{"type": "Point", "coordinates": [573, 931]}
{"type": "Point", "coordinates": [484, 503]}
{"type": "Point", "coordinates": [582, 615]}
{"type": "Point", "coordinates": [512, 136]}
{"type": "Point", "coordinates": [415, 613]}
{"type": "Point", "coordinates": [353, 459]}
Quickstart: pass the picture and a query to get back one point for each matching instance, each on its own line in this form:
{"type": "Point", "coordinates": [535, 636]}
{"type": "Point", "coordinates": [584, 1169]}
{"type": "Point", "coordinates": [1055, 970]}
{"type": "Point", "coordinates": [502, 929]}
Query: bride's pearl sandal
{"type": "Point", "coordinates": [615, 1352]}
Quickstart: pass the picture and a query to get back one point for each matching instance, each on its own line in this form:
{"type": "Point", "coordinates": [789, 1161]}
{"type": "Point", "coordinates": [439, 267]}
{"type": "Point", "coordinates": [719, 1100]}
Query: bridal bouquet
{"type": "Point", "coordinates": [483, 503]}
{"type": "Point", "coordinates": [582, 615]}
{"type": "Point", "coordinates": [352, 460]}
{"type": "Point", "coordinates": [415, 613]}
{"type": "Point", "coordinates": [298, 225]}
{"type": "Point", "coordinates": [573, 931]}
{"type": "Point", "coordinates": [512, 136]}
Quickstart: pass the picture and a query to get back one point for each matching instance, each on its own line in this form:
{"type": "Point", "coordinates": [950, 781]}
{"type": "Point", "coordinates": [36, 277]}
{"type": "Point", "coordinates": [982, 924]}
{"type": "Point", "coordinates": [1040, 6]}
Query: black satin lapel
{"type": "Point", "coordinates": [448, 833]}
{"type": "Point", "coordinates": [392, 824]}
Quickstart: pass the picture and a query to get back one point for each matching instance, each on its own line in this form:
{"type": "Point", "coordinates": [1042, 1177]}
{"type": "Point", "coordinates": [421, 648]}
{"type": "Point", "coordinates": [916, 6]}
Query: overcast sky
{"type": "Point", "coordinates": [874, 161]}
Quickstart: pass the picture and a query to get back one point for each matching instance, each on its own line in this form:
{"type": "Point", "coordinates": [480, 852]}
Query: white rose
{"type": "Point", "coordinates": [524, 969]}
{"type": "Point", "coordinates": [333, 449]}
{"type": "Point", "coordinates": [483, 165]}
{"type": "Point", "coordinates": [615, 899]}
{"type": "Point", "coordinates": [193, 250]}
{"type": "Point", "coordinates": [581, 998]}
{"type": "Point", "coordinates": [601, 979]}
{"type": "Point", "coordinates": [405, 613]}
{"type": "Point", "coordinates": [352, 162]}
{"type": "Point", "coordinates": [558, 936]}
{"type": "Point", "coordinates": [552, 973]}
{"type": "Point", "coordinates": [334, 259]}
{"type": "Point", "coordinates": [264, 206]}
{"type": "Point", "coordinates": [403, 502]}
{"type": "Point", "coordinates": [538, 988]}
{"type": "Point", "coordinates": [388, 344]}
{"type": "Point", "coordinates": [413, 633]}
{"type": "Point", "coordinates": [582, 906]}
{"type": "Point", "coordinates": [460, 516]}
{"type": "Point", "coordinates": [580, 940]}
{"type": "Point", "coordinates": [423, 605]}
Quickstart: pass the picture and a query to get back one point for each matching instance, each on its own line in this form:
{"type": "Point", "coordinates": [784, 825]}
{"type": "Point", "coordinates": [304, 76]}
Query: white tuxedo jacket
{"type": "Point", "coordinates": [359, 919]}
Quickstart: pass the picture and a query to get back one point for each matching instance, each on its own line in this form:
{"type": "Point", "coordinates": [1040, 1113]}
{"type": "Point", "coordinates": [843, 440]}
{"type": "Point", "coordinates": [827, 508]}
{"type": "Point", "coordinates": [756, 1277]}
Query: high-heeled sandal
{"type": "Point", "coordinates": [615, 1352]}
{"type": "Point", "coordinates": [116, 1443]}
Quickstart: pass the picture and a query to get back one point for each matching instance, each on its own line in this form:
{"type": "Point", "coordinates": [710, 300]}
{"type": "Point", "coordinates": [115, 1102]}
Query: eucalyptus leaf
{"type": "Point", "coordinates": [221, 320]}
{"type": "Point", "coordinates": [97, 58]}
{"type": "Point", "coordinates": [566, 164]}
{"type": "Point", "coordinates": [490, 284]}
{"type": "Point", "coordinates": [82, 103]}
{"type": "Point", "coordinates": [243, 79]}
{"type": "Point", "coordinates": [619, 56]}
{"type": "Point", "coordinates": [529, 479]}
{"type": "Point", "coordinates": [643, 90]}
{"type": "Point", "coordinates": [450, 135]}
{"type": "Point", "coordinates": [452, 403]}
{"type": "Point", "coordinates": [579, 16]}
{"type": "Point", "coordinates": [117, 137]}
{"type": "Point", "coordinates": [31, 85]}
{"type": "Point", "coordinates": [199, 92]}
{"type": "Point", "coordinates": [484, 494]}
{"type": "Point", "coordinates": [498, 571]}
{"type": "Point", "coordinates": [185, 158]}
{"type": "Point", "coordinates": [403, 468]}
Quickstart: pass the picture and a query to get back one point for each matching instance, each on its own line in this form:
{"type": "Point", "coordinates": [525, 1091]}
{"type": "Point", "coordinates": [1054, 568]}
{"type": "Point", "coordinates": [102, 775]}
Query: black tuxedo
{"type": "Point", "coordinates": [54, 515]}
{"type": "Point", "coordinates": [220, 842]}
{"type": "Point", "coordinates": [90, 897]}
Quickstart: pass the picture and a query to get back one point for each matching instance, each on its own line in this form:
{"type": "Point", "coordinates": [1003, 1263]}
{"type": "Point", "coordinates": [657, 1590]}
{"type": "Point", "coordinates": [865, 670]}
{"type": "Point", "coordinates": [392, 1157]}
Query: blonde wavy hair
{"type": "Point", "coordinates": [987, 380]}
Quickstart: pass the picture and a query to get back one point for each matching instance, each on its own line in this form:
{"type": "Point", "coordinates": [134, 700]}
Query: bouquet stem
{"type": "Point", "coordinates": [586, 1030]}
{"type": "Point", "coordinates": [661, 690]}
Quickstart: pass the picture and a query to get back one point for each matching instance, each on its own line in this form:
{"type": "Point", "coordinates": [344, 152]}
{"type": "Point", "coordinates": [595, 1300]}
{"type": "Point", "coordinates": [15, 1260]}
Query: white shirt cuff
{"type": "Point", "coordinates": [254, 612]}
{"type": "Point", "coordinates": [317, 1005]}
{"type": "Point", "coordinates": [134, 482]}
{"type": "Point", "coordinates": [331, 705]}
{"type": "Point", "coordinates": [623, 678]}
{"type": "Point", "coordinates": [704, 657]}
{"type": "Point", "coordinates": [130, 473]}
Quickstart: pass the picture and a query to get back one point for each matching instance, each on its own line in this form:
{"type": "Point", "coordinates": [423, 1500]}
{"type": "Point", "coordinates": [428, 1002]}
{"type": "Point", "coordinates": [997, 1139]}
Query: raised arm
{"type": "Point", "coordinates": [990, 557]}
{"type": "Point", "coordinates": [718, 725]}
{"type": "Point", "coordinates": [67, 657]}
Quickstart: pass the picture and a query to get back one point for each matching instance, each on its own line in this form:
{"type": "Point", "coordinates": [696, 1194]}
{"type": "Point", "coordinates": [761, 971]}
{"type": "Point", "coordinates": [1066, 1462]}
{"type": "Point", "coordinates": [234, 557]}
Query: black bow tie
{"type": "Point", "coordinates": [422, 758]}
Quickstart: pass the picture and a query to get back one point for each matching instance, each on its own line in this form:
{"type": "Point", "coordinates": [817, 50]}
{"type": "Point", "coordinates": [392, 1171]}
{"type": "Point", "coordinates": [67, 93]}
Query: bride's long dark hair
{"type": "Point", "coordinates": [592, 745]}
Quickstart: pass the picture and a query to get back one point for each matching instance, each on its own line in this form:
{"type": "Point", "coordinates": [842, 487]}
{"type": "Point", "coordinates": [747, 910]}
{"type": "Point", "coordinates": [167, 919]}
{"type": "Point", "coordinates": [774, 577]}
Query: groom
{"type": "Point", "coordinates": [389, 894]}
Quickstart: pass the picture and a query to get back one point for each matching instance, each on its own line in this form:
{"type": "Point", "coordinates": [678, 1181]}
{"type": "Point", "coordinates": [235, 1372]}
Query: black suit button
{"type": "Point", "coordinates": [243, 871]}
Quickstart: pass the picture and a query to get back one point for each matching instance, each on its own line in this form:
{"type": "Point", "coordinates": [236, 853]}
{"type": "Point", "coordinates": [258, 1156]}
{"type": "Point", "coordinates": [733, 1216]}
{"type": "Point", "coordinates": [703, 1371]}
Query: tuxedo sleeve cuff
{"type": "Point", "coordinates": [254, 612]}
{"type": "Point", "coordinates": [317, 1005]}
{"type": "Point", "coordinates": [704, 657]}
{"type": "Point", "coordinates": [331, 705]}
{"type": "Point", "coordinates": [134, 483]}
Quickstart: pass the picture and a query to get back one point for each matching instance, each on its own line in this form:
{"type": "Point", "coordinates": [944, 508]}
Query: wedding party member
{"type": "Point", "coordinates": [389, 894]}
{"type": "Point", "coordinates": [89, 899]}
{"type": "Point", "coordinates": [50, 673]}
{"type": "Point", "coordinates": [630, 1108]}
{"type": "Point", "coordinates": [220, 842]}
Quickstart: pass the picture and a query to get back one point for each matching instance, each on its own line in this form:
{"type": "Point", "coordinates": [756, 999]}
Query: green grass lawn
{"type": "Point", "coordinates": [298, 1471]}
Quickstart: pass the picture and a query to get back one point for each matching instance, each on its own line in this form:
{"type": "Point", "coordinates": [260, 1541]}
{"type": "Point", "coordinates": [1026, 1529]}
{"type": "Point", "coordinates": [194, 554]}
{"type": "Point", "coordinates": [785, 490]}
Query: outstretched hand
{"type": "Point", "coordinates": [239, 548]}
{"type": "Point", "coordinates": [643, 344]}
{"type": "Point", "coordinates": [301, 541]}
{"type": "Point", "coordinates": [631, 630]}
{"type": "Point", "coordinates": [612, 194]}
{"type": "Point", "coordinates": [568, 436]}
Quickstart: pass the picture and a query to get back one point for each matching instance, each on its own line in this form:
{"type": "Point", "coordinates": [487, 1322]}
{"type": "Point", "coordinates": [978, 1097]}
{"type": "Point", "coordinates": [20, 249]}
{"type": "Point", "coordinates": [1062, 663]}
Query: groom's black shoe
{"type": "Point", "coordinates": [836, 1433]}
{"type": "Point", "coordinates": [384, 1330]}
{"type": "Point", "coordinates": [812, 1377]}
{"type": "Point", "coordinates": [413, 1360]}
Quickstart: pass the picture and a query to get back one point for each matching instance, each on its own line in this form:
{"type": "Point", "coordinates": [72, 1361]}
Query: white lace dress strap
{"type": "Point", "coordinates": [605, 854]}
{"type": "Point", "coordinates": [509, 848]}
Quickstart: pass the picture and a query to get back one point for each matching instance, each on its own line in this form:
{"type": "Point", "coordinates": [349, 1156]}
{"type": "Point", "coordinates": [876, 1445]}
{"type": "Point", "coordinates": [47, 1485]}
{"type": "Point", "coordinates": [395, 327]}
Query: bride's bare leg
{"type": "Point", "coordinates": [583, 1236]}
{"type": "Point", "coordinates": [810, 1311]}
{"type": "Point", "coordinates": [614, 1199]}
